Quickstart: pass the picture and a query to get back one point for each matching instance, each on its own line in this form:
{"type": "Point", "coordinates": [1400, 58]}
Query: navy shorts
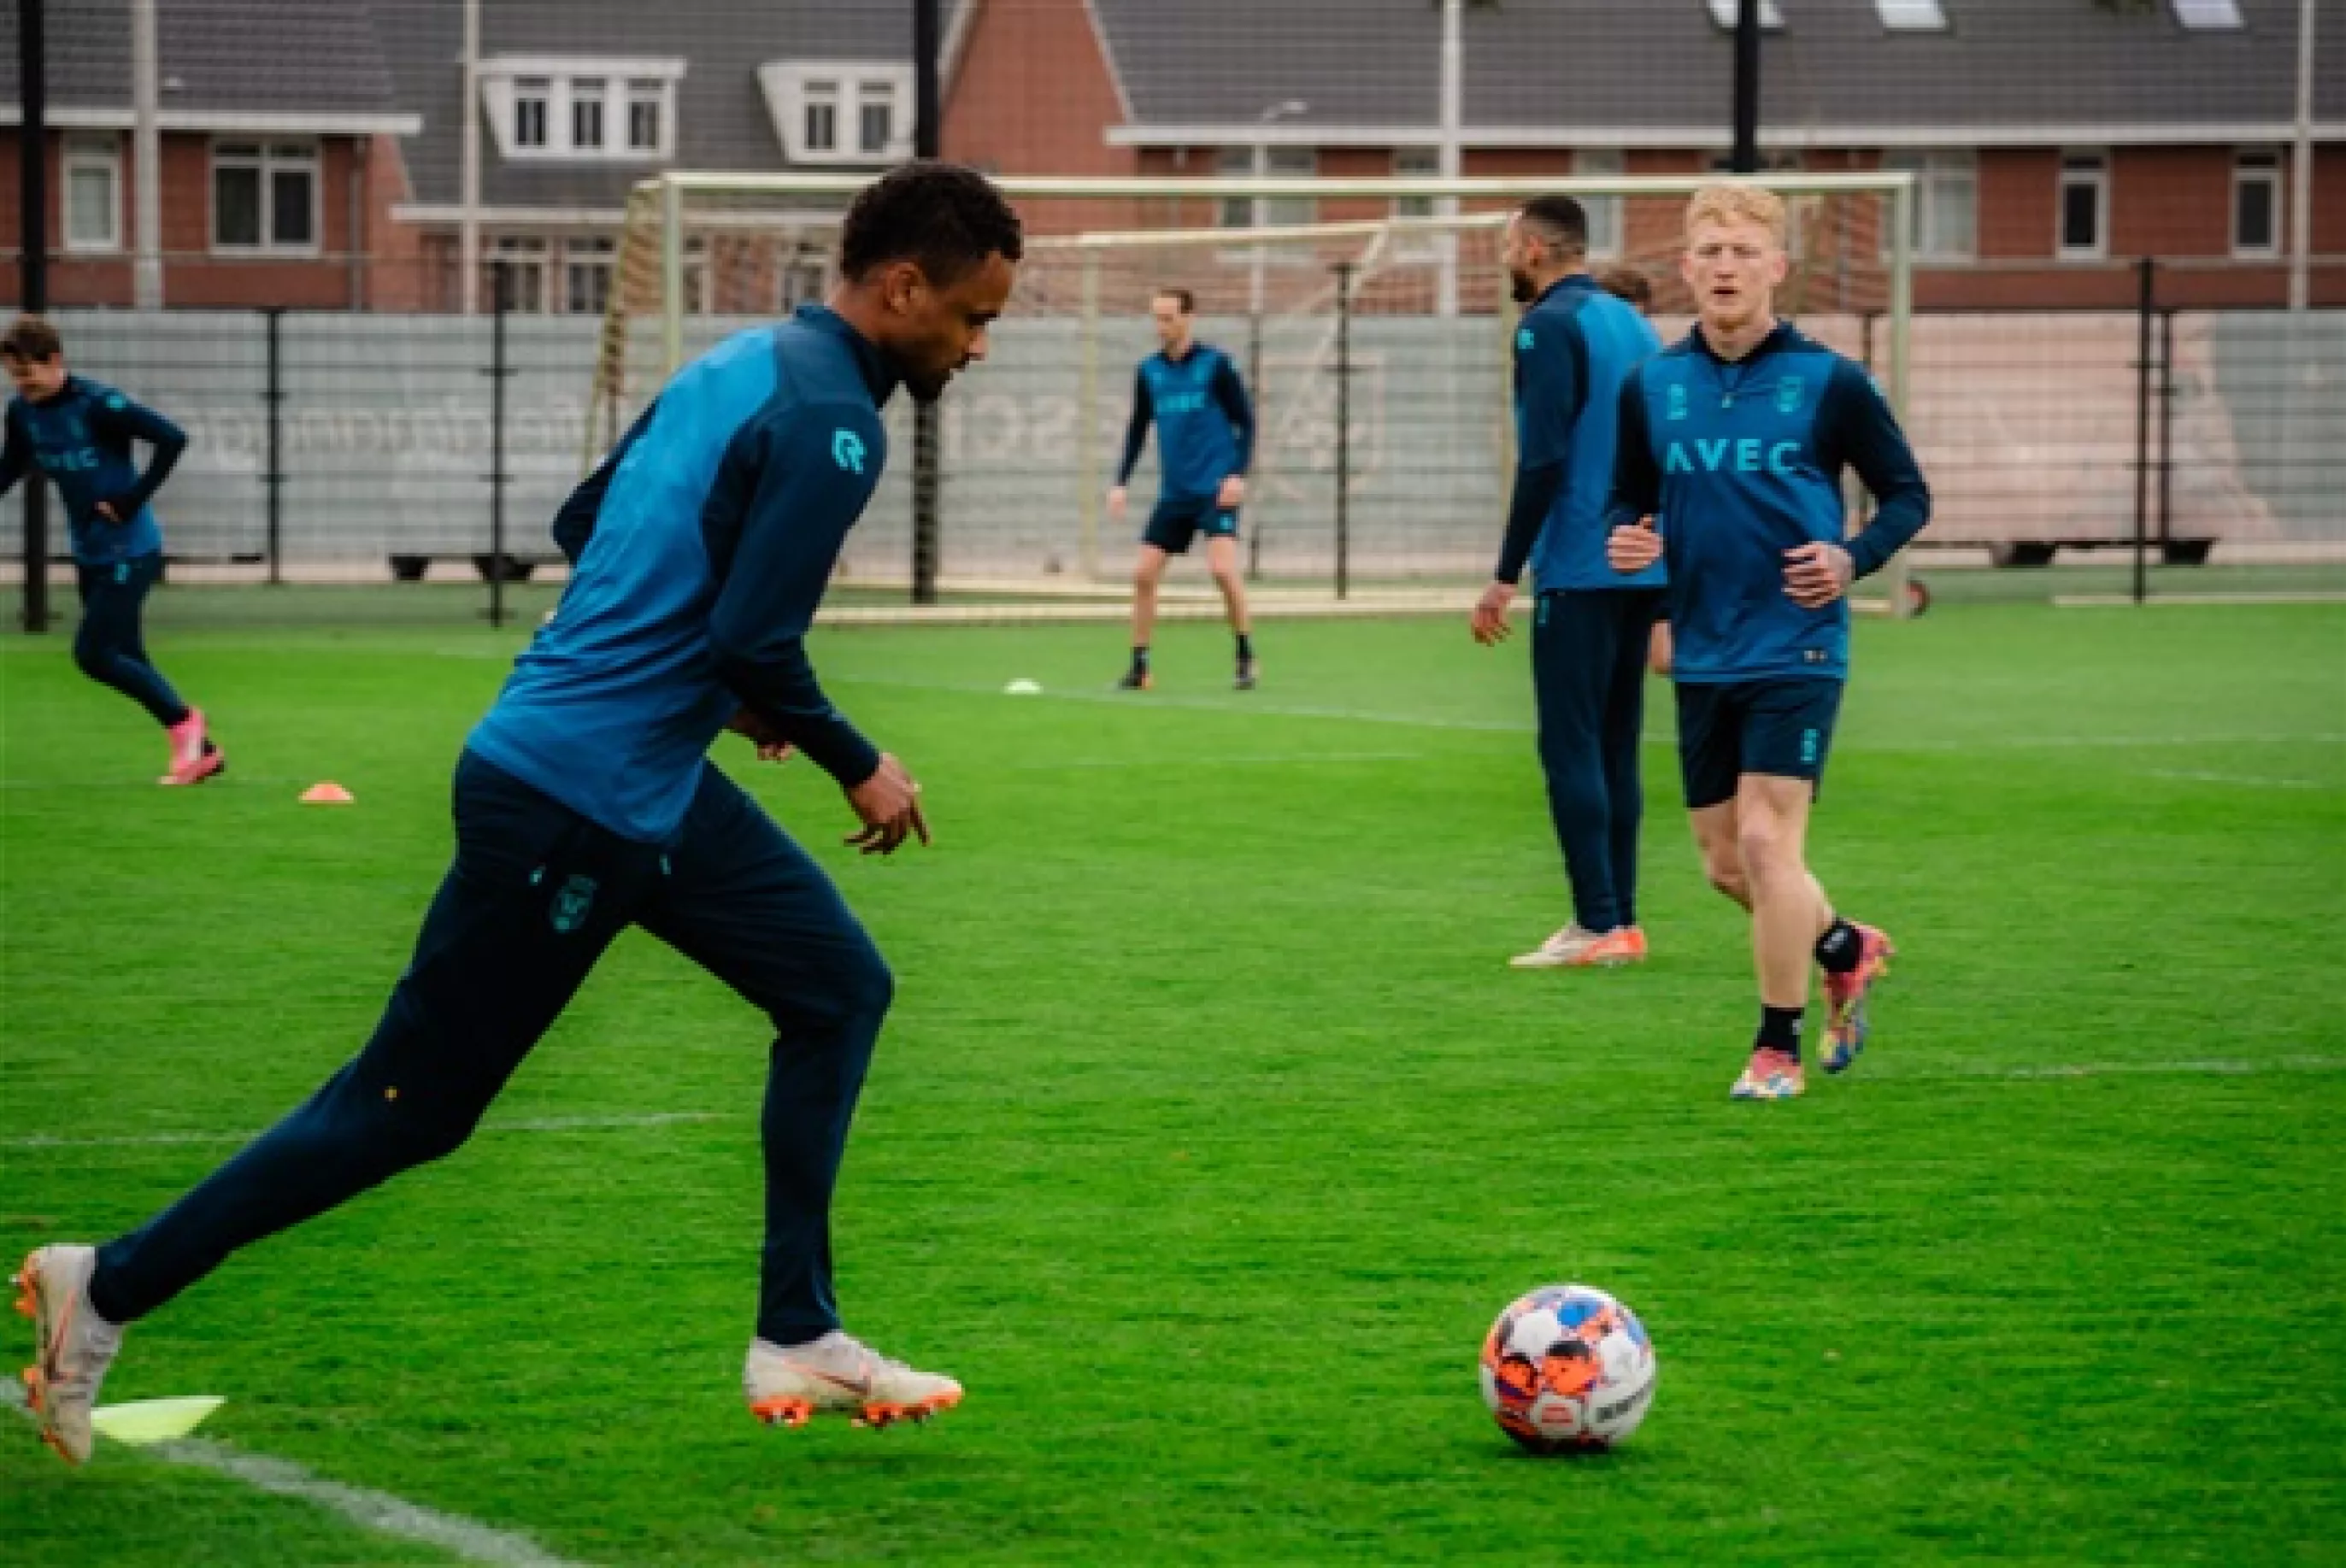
{"type": "Point", "coordinates": [1781, 728]}
{"type": "Point", "coordinates": [1181, 518]}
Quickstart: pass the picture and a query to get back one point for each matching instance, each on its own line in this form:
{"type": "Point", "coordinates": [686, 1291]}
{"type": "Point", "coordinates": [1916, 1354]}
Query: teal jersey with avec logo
{"type": "Point", "coordinates": [85, 439]}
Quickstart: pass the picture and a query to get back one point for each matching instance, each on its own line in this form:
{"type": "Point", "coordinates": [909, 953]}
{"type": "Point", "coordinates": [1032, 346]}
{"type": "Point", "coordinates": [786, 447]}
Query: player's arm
{"type": "Point", "coordinates": [118, 417]}
{"type": "Point", "coordinates": [15, 454]}
{"type": "Point", "coordinates": [1862, 431]}
{"type": "Point", "coordinates": [1136, 428]}
{"type": "Point", "coordinates": [574, 522]}
{"type": "Point", "coordinates": [786, 493]}
{"type": "Point", "coordinates": [1553, 363]}
{"type": "Point", "coordinates": [1630, 547]}
{"type": "Point", "coordinates": [1230, 395]}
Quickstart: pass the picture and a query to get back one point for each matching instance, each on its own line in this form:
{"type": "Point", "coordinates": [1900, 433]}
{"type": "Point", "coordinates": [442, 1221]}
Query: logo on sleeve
{"type": "Point", "coordinates": [847, 451]}
{"type": "Point", "coordinates": [1523, 340]}
{"type": "Point", "coordinates": [116, 402]}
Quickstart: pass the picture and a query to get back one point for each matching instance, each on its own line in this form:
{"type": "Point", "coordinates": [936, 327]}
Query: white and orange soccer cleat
{"type": "Point", "coordinates": [1846, 1024]}
{"type": "Point", "coordinates": [839, 1375]}
{"type": "Point", "coordinates": [1575, 948]}
{"type": "Point", "coordinates": [194, 757]}
{"type": "Point", "coordinates": [73, 1346]}
{"type": "Point", "coordinates": [1770, 1075]}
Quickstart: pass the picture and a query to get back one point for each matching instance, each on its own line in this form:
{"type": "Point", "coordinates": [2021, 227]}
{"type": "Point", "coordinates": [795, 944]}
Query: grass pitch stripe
{"type": "Point", "coordinates": [520, 1125]}
{"type": "Point", "coordinates": [379, 1512]}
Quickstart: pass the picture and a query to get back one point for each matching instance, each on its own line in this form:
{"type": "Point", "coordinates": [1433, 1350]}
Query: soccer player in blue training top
{"type": "Point", "coordinates": [1574, 349]}
{"type": "Point", "coordinates": [585, 802]}
{"type": "Point", "coordinates": [80, 433]}
{"type": "Point", "coordinates": [1205, 436]}
{"type": "Point", "coordinates": [1737, 437]}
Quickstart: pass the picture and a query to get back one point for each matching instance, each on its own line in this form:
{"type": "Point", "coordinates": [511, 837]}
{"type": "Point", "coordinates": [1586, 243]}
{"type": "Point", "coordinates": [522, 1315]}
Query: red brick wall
{"type": "Point", "coordinates": [1032, 94]}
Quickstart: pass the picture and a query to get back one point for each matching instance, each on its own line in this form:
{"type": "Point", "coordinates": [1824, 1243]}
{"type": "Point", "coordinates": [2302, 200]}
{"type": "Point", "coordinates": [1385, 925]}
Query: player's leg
{"type": "Point", "coordinates": [1623, 737]}
{"type": "Point", "coordinates": [1572, 636]}
{"type": "Point", "coordinates": [753, 909]}
{"type": "Point", "coordinates": [1148, 573]}
{"type": "Point", "coordinates": [1660, 649]}
{"type": "Point", "coordinates": [534, 897]}
{"type": "Point", "coordinates": [1222, 560]}
{"type": "Point", "coordinates": [1711, 768]}
{"type": "Point", "coordinates": [109, 648]}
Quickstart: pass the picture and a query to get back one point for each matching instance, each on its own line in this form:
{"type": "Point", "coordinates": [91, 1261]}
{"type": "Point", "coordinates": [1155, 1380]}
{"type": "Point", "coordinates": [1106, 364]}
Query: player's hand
{"type": "Point", "coordinates": [1490, 622]}
{"type": "Point", "coordinates": [1232, 493]}
{"type": "Point", "coordinates": [1816, 575]}
{"type": "Point", "coordinates": [1116, 499]}
{"type": "Point", "coordinates": [1635, 547]}
{"type": "Point", "coordinates": [889, 802]}
{"type": "Point", "coordinates": [772, 747]}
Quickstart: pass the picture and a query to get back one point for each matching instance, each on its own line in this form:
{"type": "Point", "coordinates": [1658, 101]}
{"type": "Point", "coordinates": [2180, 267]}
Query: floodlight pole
{"type": "Point", "coordinates": [927, 138]}
{"type": "Point", "coordinates": [33, 268]}
{"type": "Point", "coordinates": [1746, 88]}
{"type": "Point", "coordinates": [2300, 169]}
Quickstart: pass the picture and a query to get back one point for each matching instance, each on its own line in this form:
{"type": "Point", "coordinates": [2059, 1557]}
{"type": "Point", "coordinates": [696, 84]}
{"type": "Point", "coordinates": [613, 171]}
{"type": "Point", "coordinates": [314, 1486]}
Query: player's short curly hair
{"type": "Point", "coordinates": [31, 341]}
{"type": "Point", "coordinates": [1732, 201]}
{"type": "Point", "coordinates": [946, 218]}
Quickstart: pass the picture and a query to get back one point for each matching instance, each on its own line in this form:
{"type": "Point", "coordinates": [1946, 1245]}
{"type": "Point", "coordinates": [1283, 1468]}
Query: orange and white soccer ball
{"type": "Point", "coordinates": [1567, 1370]}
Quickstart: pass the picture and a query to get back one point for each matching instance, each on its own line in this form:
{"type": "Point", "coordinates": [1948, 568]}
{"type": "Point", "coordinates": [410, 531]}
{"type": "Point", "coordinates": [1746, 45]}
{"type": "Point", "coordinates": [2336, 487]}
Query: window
{"type": "Point", "coordinates": [586, 276]}
{"type": "Point", "coordinates": [1723, 12]}
{"type": "Point", "coordinates": [2256, 206]}
{"type": "Point", "coordinates": [265, 196]}
{"type": "Point", "coordinates": [521, 260]}
{"type": "Point", "coordinates": [1912, 15]}
{"type": "Point", "coordinates": [821, 133]}
{"type": "Point", "coordinates": [1290, 163]}
{"type": "Point", "coordinates": [840, 112]}
{"type": "Point", "coordinates": [2085, 203]}
{"type": "Point", "coordinates": [587, 100]}
{"type": "Point", "coordinates": [801, 279]}
{"type": "Point", "coordinates": [1236, 163]}
{"type": "Point", "coordinates": [1603, 211]}
{"type": "Point", "coordinates": [93, 193]}
{"type": "Point", "coordinates": [2207, 15]}
{"type": "Point", "coordinates": [1946, 204]}
{"type": "Point", "coordinates": [875, 117]}
{"type": "Point", "coordinates": [645, 102]}
{"type": "Point", "coordinates": [1415, 163]}
{"type": "Point", "coordinates": [531, 96]}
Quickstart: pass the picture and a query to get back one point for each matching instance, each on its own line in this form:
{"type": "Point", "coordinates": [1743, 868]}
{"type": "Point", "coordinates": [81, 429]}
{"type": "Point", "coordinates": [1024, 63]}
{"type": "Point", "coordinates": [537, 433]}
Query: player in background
{"type": "Point", "coordinates": [1633, 288]}
{"type": "Point", "coordinates": [585, 803]}
{"type": "Point", "coordinates": [80, 433]}
{"type": "Point", "coordinates": [1204, 438]}
{"type": "Point", "coordinates": [1737, 437]}
{"type": "Point", "coordinates": [1575, 346]}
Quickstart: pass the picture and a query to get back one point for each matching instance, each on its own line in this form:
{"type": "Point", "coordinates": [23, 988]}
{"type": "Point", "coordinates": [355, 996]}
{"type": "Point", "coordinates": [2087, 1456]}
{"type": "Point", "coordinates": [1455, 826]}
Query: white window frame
{"type": "Point", "coordinates": [1605, 220]}
{"type": "Point", "coordinates": [84, 154]}
{"type": "Point", "coordinates": [1722, 16]}
{"type": "Point", "coordinates": [1415, 163]}
{"type": "Point", "coordinates": [272, 156]}
{"type": "Point", "coordinates": [854, 83]}
{"type": "Point", "coordinates": [2089, 167]}
{"type": "Point", "coordinates": [591, 96]}
{"type": "Point", "coordinates": [2257, 166]}
{"type": "Point", "coordinates": [1932, 171]}
{"type": "Point", "coordinates": [828, 97]}
{"type": "Point", "coordinates": [2208, 15]}
{"type": "Point", "coordinates": [1910, 15]}
{"type": "Point", "coordinates": [532, 93]}
{"type": "Point", "coordinates": [582, 252]}
{"type": "Point", "coordinates": [520, 253]}
{"type": "Point", "coordinates": [570, 83]}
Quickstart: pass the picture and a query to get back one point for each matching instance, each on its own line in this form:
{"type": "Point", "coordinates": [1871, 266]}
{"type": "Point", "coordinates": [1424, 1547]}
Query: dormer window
{"type": "Point", "coordinates": [840, 111]}
{"type": "Point", "coordinates": [581, 110]}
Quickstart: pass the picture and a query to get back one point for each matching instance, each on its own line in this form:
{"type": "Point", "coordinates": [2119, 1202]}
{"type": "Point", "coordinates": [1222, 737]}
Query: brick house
{"type": "Point", "coordinates": [279, 156]}
{"type": "Point", "coordinates": [2055, 140]}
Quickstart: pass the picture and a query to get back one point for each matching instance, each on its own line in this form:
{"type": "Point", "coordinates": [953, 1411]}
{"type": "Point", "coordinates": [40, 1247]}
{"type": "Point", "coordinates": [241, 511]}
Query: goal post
{"type": "Point", "coordinates": [1359, 295]}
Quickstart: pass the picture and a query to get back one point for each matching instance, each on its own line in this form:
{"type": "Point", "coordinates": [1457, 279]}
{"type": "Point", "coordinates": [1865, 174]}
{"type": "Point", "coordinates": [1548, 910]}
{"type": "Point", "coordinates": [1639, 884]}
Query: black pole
{"type": "Point", "coordinates": [1343, 429]}
{"type": "Point", "coordinates": [33, 182]}
{"type": "Point", "coordinates": [2146, 268]}
{"type": "Point", "coordinates": [498, 370]}
{"type": "Point", "coordinates": [2165, 429]}
{"type": "Point", "coordinates": [273, 396]}
{"type": "Point", "coordinates": [927, 136]}
{"type": "Point", "coordinates": [1746, 88]}
{"type": "Point", "coordinates": [1261, 424]}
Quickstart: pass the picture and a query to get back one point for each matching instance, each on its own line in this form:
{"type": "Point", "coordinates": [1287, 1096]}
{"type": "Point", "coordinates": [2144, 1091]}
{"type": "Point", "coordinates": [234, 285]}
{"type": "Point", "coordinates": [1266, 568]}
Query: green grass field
{"type": "Point", "coordinates": [1211, 1128]}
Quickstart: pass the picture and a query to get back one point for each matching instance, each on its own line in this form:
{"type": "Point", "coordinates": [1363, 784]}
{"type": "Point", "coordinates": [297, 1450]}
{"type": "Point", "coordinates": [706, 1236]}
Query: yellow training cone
{"type": "Point", "coordinates": [326, 792]}
{"type": "Point", "coordinates": [154, 1420]}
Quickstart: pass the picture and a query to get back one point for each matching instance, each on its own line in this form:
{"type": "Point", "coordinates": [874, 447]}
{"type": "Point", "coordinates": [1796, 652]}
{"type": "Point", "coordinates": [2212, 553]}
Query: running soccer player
{"type": "Point", "coordinates": [1575, 347]}
{"type": "Point", "coordinates": [585, 803]}
{"type": "Point", "coordinates": [1737, 436]}
{"type": "Point", "coordinates": [1631, 285]}
{"type": "Point", "coordinates": [80, 433]}
{"type": "Point", "coordinates": [1204, 435]}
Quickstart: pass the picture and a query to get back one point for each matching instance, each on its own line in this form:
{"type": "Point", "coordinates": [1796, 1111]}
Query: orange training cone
{"type": "Point", "coordinates": [326, 792]}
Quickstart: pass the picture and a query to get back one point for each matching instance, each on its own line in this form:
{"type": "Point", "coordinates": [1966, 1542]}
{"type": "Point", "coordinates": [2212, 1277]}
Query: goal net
{"type": "Point", "coordinates": [1371, 320]}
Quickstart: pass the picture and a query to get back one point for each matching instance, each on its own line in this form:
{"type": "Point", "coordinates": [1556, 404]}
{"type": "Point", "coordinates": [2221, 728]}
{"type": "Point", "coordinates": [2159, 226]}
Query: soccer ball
{"type": "Point", "coordinates": [1567, 1370]}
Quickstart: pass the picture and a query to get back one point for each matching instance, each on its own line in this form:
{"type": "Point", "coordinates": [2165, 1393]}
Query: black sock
{"type": "Point", "coordinates": [1140, 657]}
{"type": "Point", "coordinates": [1246, 648]}
{"type": "Point", "coordinates": [1780, 1030]}
{"type": "Point", "coordinates": [1839, 949]}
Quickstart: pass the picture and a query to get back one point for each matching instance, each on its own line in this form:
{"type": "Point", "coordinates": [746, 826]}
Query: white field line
{"type": "Point", "coordinates": [2241, 781]}
{"type": "Point", "coordinates": [379, 1512]}
{"type": "Point", "coordinates": [522, 1124]}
